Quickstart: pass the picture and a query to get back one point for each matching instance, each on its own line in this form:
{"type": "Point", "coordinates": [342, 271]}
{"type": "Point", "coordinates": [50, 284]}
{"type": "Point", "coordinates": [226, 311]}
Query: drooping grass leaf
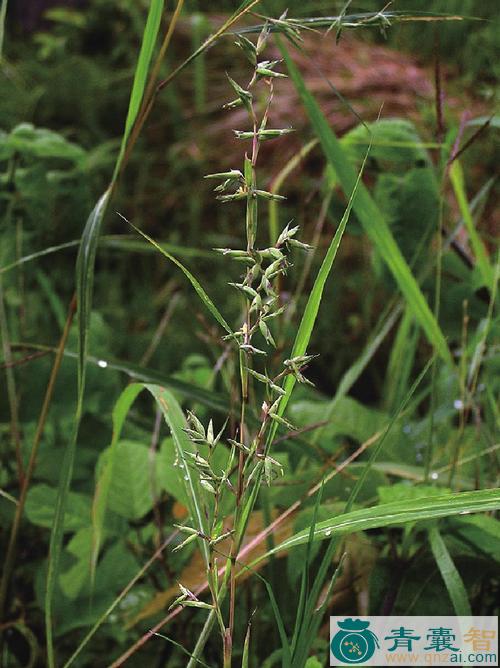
{"type": "Point", "coordinates": [368, 213]}
{"type": "Point", "coordinates": [84, 279]}
{"type": "Point", "coordinates": [192, 279]}
{"type": "Point", "coordinates": [396, 514]}
{"type": "Point", "coordinates": [175, 419]}
{"type": "Point", "coordinates": [85, 282]}
{"type": "Point", "coordinates": [449, 573]}
{"type": "Point", "coordinates": [115, 242]}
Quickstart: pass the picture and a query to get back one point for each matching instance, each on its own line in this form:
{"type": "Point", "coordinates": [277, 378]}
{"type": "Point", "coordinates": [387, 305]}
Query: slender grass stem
{"type": "Point", "coordinates": [11, 547]}
{"type": "Point", "coordinates": [11, 388]}
{"type": "Point", "coordinates": [429, 451]}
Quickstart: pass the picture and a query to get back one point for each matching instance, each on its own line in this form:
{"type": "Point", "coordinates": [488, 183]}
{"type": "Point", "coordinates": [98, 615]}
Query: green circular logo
{"type": "Point", "coordinates": [354, 642]}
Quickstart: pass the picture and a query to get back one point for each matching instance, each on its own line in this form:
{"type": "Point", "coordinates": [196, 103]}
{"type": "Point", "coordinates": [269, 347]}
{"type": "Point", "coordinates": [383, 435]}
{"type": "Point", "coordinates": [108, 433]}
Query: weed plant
{"type": "Point", "coordinates": [256, 504]}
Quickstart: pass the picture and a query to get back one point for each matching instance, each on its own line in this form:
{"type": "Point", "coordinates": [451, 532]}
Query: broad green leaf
{"type": "Point", "coordinates": [40, 508]}
{"type": "Point", "coordinates": [313, 662]}
{"type": "Point", "coordinates": [28, 140]}
{"type": "Point", "coordinates": [187, 391]}
{"type": "Point", "coordinates": [132, 479]}
{"type": "Point", "coordinates": [351, 418]}
{"type": "Point", "coordinates": [395, 514]}
{"type": "Point", "coordinates": [383, 327]}
{"type": "Point", "coordinates": [369, 214]}
{"type": "Point", "coordinates": [73, 580]}
{"type": "Point", "coordinates": [449, 573]}
{"type": "Point", "coordinates": [168, 476]}
{"type": "Point", "coordinates": [107, 473]}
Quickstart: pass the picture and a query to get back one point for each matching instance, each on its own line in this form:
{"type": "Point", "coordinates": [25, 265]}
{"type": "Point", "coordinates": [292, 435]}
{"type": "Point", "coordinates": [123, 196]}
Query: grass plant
{"type": "Point", "coordinates": [185, 525]}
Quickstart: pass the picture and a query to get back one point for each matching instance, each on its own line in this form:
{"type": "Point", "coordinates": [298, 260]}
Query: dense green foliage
{"type": "Point", "coordinates": [390, 458]}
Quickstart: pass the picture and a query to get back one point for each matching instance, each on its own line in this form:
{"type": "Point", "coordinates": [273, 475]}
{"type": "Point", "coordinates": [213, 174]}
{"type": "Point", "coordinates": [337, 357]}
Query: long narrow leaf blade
{"type": "Point", "coordinates": [449, 573]}
{"type": "Point", "coordinates": [308, 320]}
{"type": "Point", "coordinates": [84, 280]}
{"type": "Point", "coordinates": [457, 181]}
{"type": "Point", "coordinates": [369, 214]}
{"type": "Point", "coordinates": [141, 75]}
{"type": "Point", "coordinates": [396, 513]}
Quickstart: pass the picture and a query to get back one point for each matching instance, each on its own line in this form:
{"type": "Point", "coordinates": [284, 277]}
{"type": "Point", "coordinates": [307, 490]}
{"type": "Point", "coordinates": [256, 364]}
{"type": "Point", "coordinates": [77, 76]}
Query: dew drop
{"type": "Point", "coordinates": [434, 475]}
{"type": "Point", "coordinates": [328, 532]}
{"type": "Point", "coordinates": [102, 363]}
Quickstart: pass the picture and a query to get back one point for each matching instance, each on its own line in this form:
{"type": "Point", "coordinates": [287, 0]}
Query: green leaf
{"type": "Point", "coordinates": [3, 12]}
{"type": "Point", "coordinates": [130, 484]}
{"type": "Point", "coordinates": [188, 391]}
{"type": "Point", "coordinates": [351, 418]}
{"type": "Point", "coordinates": [85, 282]}
{"type": "Point", "coordinates": [369, 214]}
{"type": "Point", "coordinates": [40, 508]}
{"type": "Point", "coordinates": [457, 180]}
{"type": "Point", "coordinates": [192, 279]}
{"type": "Point", "coordinates": [381, 330]}
{"type": "Point", "coordinates": [449, 573]}
{"type": "Point", "coordinates": [107, 473]}
{"type": "Point", "coordinates": [40, 143]}
{"type": "Point", "coordinates": [310, 314]}
{"type": "Point", "coordinates": [482, 531]}
{"type": "Point", "coordinates": [141, 75]}
{"type": "Point", "coordinates": [313, 662]}
{"type": "Point", "coordinates": [168, 476]}
{"type": "Point", "coordinates": [175, 419]}
{"type": "Point", "coordinates": [73, 580]}
{"type": "Point", "coordinates": [401, 491]}
{"type": "Point", "coordinates": [395, 514]}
